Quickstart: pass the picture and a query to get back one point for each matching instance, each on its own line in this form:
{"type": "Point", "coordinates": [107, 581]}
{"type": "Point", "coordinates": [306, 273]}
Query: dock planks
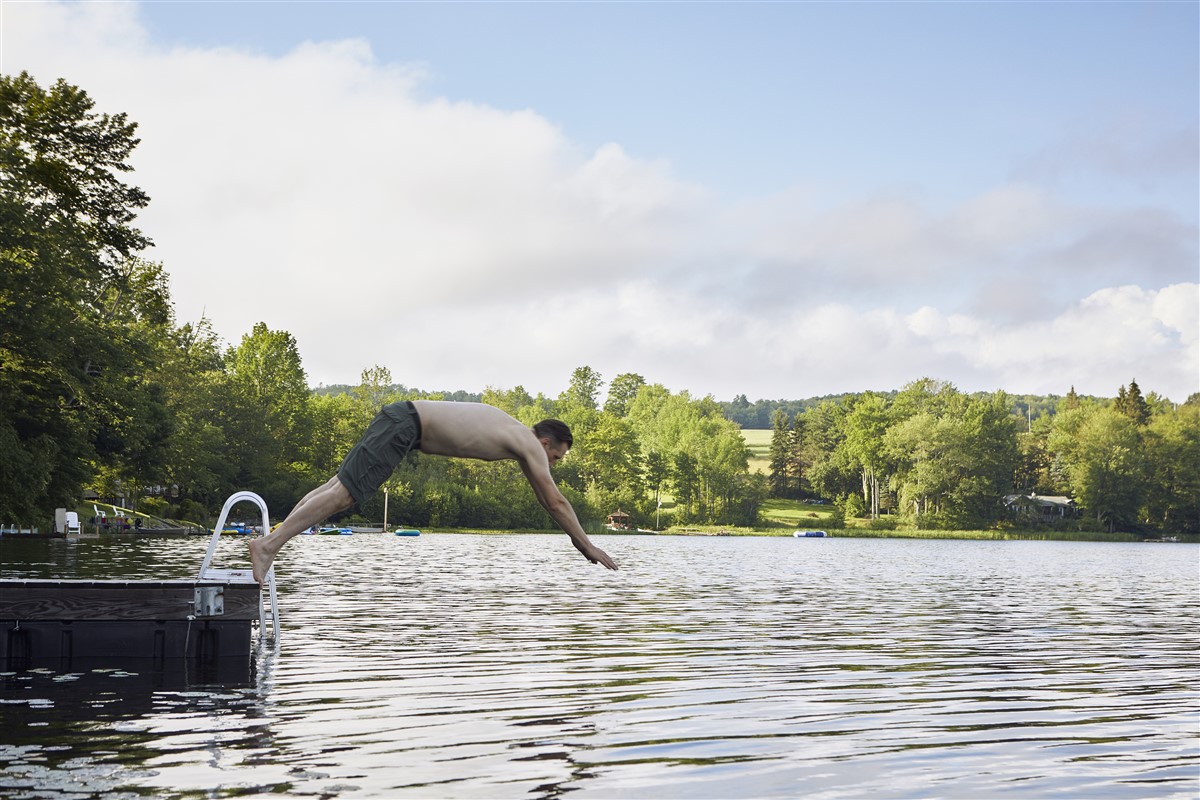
{"type": "Point", "coordinates": [68, 619]}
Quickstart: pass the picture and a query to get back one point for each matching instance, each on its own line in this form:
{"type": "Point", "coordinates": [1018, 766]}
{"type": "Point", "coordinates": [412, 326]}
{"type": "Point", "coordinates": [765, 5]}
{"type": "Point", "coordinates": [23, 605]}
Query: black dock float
{"type": "Point", "coordinates": [203, 620]}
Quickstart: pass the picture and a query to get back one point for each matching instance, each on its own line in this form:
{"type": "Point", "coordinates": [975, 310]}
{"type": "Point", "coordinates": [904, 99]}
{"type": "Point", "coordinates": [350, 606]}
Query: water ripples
{"type": "Point", "coordinates": [505, 666]}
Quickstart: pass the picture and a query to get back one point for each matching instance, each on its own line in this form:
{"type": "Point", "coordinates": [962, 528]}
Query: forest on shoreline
{"type": "Point", "coordinates": [102, 391]}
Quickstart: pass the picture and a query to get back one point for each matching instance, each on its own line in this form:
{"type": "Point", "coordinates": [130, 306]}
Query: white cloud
{"type": "Point", "coordinates": [1099, 344]}
{"type": "Point", "coordinates": [463, 245]}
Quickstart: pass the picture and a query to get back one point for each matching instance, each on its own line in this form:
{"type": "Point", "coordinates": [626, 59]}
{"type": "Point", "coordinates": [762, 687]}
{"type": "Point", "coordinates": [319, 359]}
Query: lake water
{"type": "Point", "coordinates": [472, 666]}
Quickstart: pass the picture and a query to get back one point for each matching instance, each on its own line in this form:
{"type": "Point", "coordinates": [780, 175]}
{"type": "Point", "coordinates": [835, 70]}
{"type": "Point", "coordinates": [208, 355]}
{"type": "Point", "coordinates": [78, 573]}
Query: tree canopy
{"type": "Point", "coordinates": [82, 314]}
{"type": "Point", "coordinates": [101, 390]}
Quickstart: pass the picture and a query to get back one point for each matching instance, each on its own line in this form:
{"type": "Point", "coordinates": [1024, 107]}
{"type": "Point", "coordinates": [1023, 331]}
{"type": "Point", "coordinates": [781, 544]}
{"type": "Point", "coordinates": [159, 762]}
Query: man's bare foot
{"type": "Point", "coordinates": [261, 556]}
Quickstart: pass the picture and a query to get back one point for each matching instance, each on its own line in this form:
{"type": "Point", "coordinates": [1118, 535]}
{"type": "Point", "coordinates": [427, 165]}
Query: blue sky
{"type": "Point", "coordinates": [777, 199]}
{"type": "Point", "coordinates": [750, 98]}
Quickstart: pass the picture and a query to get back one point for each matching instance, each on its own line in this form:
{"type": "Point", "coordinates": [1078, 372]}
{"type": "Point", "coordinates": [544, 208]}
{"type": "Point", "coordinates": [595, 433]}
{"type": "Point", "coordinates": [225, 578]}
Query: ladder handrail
{"type": "Point", "coordinates": [269, 578]}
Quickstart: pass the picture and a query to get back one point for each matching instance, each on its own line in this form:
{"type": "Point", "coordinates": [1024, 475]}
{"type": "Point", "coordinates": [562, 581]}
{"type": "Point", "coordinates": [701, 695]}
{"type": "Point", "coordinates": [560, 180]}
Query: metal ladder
{"type": "Point", "coordinates": [207, 572]}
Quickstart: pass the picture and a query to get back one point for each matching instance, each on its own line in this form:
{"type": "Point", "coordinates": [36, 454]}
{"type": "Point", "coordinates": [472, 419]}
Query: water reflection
{"type": "Point", "coordinates": [126, 728]}
{"type": "Point", "coordinates": [497, 666]}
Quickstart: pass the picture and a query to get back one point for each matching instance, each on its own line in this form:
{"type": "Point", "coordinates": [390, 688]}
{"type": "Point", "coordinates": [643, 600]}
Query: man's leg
{"type": "Point", "coordinates": [319, 504]}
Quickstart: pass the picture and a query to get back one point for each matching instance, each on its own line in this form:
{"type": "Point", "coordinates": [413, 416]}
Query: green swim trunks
{"type": "Point", "coordinates": [392, 435]}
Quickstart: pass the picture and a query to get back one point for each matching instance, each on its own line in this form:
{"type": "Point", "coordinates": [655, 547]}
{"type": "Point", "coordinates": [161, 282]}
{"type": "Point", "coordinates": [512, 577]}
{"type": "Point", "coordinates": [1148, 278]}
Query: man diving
{"type": "Point", "coordinates": [458, 430]}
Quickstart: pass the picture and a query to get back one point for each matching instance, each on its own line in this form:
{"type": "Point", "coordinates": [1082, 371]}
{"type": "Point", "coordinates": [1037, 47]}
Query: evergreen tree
{"type": "Point", "coordinates": [1131, 403]}
{"type": "Point", "coordinates": [780, 454]}
{"type": "Point", "coordinates": [797, 463]}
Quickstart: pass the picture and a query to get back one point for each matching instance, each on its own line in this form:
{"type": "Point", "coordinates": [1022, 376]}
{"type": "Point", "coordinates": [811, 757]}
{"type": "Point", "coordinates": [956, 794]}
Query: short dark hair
{"type": "Point", "coordinates": [555, 429]}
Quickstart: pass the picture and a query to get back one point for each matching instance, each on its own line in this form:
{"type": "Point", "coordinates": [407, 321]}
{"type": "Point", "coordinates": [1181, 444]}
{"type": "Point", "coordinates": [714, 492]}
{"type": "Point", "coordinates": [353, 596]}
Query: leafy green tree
{"type": "Point", "coordinates": [584, 389]}
{"type": "Point", "coordinates": [622, 391]}
{"type": "Point", "coordinates": [954, 458]}
{"type": "Point", "coordinates": [685, 482]}
{"type": "Point", "coordinates": [1173, 461]}
{"type": "Point", "coordinates": [199, 467]}
{"type": "Point", "coordinates": [865, 427]}
{"type": "Point", "coordinates": [510, 401]}
{"type": "Point", "coordinates": [131, 437]}
{"type": "Point", "coordinates": [336, 424]}
{"type": "Point", "coordinates": [374, 391]}
{"type": "Point", "coordinates": [723, 459]}
{"type": "Point", "coordinates": [1035, 473]}
{"type": "Point", "coordinates": [73, 391]}
{"type": "Point", "coordinates": [922, 446]}
{"type": "Point", "coordinates": [1099, 449]}
{"type": "Point", "coordinates": [831, 471]}
{"type": "Point", "coordinates": [923, 396]}
{"type": "Point", "coordinates": [655, 471]}
{"type": "Point", "coordinates": [268, 422]}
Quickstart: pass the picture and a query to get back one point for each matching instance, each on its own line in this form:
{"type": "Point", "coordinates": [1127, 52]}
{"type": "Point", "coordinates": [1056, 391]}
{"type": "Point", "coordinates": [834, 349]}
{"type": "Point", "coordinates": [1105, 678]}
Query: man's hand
{"type": "Point", "coordinates": [593, 554]}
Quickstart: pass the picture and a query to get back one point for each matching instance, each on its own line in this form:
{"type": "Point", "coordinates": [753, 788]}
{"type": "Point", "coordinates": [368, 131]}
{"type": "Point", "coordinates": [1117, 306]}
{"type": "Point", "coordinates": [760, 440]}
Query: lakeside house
{"type": "Point", "coordinates": [1046, 508]}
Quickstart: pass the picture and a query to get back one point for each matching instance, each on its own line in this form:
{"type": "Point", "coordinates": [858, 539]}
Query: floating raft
{"type": "Point", "coordinates": [407, 532]}
{"type": "Point", "coordinates": [207, 620]}
{"type": "Point", "coordinates": [811, 535]}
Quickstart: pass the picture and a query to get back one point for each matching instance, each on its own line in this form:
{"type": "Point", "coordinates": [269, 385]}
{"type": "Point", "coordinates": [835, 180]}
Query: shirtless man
{"type": "Point", "coordinates": [460, 430]}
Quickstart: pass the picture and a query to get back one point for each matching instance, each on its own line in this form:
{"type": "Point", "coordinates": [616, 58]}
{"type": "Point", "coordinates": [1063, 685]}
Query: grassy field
{"type": "Point", "coordinates": [759, 442]}
{"type": "Point", "coordinates": [795, 514]}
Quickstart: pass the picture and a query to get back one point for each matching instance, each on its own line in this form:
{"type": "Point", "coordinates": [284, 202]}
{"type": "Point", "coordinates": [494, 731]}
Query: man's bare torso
{"type": "Point", "coordinates": [472, 430]}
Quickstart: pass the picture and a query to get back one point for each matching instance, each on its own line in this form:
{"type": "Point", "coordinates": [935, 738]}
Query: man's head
{"type": "Point", "coordinates": [555, 437]}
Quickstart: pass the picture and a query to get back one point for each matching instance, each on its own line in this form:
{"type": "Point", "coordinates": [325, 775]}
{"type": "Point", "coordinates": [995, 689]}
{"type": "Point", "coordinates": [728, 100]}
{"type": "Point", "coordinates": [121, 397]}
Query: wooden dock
{"type": "Point", "coordinates": [205, 620]}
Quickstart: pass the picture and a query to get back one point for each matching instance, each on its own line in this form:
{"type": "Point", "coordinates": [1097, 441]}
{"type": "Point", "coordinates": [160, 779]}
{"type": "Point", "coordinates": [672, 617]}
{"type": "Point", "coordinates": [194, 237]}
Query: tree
{"type": "Point", "coordinates": [655, 472]}
{"type": "Point", "coordinates": [866, 425]}
{"type": "Point", "coordinates": [782, 444]}
{"type": "Point", "coordinates": [621, 392]}
{"type": "Point", "coordinates": [1131, 403]}
{"type": "Point", "coordinates": [268, 419]}
{"type": "Point", "coordinates": [831, 471]}
{"type": "Point", "coordinates": [704, 451]}
{"type": "Point", "coordinates": [67, 243]}
{"type": "Point", "coordinates": [1099, 450]}
{"type": "Point", "coordinates": [131, 435]}
{"type": "Point", "coordinates": [336, 424]}
{"type": "Point", "coordinates": [584, 388]}
{"type": "Point", "coordinates": [1173, 466]}
{"type": "Point", "coordinates": [198, 464]}
{"type": "Point", "coordinates": [510, 401]}
{"type": "Point", "coordinates": [685, 481]}
{"type": "Point", "coordinates": [1034, 473]}
{"type": "Point", "coordinates": [373, 392]}
{"type": "Point", "coordinates": [613, 457]}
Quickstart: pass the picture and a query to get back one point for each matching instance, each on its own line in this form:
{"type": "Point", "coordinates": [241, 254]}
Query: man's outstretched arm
{"type": "Point", "coordinates": [560, 509]}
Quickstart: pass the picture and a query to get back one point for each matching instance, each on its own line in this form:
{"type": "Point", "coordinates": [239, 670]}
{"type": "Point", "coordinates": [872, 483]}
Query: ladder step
{"type": "Point", "coordinates": [267, 596]}
{"type": "Point", "coordinates": [229, 575]}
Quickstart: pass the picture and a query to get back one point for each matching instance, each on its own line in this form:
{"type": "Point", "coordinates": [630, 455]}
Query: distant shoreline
{"type": "Point", "coordinates": [862, 533]}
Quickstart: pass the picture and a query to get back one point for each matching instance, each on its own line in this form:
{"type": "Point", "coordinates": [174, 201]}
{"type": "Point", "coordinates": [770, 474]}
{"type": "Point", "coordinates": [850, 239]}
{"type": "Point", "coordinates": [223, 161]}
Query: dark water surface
{"type": "Point", "coordinates": [506, 666]}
